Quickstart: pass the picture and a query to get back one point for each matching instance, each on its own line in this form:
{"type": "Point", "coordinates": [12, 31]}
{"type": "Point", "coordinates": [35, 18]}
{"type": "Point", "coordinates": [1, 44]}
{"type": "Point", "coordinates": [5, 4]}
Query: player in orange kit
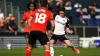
{"type": "Point", "coordinates": [41, 17]}
{"type": "Point", "coordinates": [27, 15]}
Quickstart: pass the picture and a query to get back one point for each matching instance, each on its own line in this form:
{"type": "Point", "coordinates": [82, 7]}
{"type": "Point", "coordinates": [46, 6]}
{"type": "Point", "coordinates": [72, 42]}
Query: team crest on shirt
{"type": "Point", "coordinates": [64, 20]}
{"type": "Point", "coordinates": [57, 17]}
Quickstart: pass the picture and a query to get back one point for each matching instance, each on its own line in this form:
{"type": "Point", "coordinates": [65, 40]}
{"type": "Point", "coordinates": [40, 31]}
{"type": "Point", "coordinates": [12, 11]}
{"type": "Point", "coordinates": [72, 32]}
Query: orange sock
{"type": "Point", "coordinates": [28, 52]}
{"type": "Point", "coordinates": [47, 53]}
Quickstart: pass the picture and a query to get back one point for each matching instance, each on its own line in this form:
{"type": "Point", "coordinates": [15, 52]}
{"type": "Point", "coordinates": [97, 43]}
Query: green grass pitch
{"type": "Point", "coordinates": [58, 52]}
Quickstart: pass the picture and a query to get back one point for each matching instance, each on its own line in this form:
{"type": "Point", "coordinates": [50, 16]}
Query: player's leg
{"type": "Point", "coordinates": [27, 38]}
{"type": "Point", "coordinates": [52, 41]}
{"type": "Point", "coordinates": [51, 47]}
{"type": "Point", "coordinates": [47, 50]}
{"type": "Point", "coordinates": [43, 39]}
{"type": "Point", "coordinates": [28, 50]}
{"type": "Point", "coordinates": [31, 42]}
{"type": "Point", "coordinates": [27, 41]}
{"type": "Point", "coordinates": [68, 43]}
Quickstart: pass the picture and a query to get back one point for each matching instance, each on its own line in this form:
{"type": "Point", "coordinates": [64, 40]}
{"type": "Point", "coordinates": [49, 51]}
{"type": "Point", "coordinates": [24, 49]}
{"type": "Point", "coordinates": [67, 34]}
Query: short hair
{"type": "Point", "coordinates": [62, 9]}
{"type": "Point", "coordinates": [43, 3]}
{"type": "Point", "coordinates": [77, 1]}
{"type": "Point", "coordinates": [28, 5]}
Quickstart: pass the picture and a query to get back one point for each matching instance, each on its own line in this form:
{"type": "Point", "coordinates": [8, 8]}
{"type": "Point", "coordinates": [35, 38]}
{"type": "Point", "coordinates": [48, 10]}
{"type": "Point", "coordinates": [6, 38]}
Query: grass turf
{"type": "Point", "coordinates": [58, 52]}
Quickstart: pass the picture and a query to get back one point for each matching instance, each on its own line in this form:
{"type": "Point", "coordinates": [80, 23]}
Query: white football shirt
{"type": "Point", "coordinates": [60, 23]}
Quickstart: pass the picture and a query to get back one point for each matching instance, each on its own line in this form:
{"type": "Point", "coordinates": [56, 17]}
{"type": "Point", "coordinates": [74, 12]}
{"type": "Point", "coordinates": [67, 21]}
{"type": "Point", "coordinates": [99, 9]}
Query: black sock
{"type": "Point", "coordinates": [71, 47]}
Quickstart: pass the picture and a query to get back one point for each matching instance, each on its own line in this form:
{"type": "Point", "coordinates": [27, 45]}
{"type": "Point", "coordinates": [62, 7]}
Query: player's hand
{"type": "Point", "coordinates": [70, 31]}
{"type": "Point", "coordinates": [22, 21]}
{"type": "Point", "coordinates": [83, 21]}
{"type": "Point", "coordinates": [50, 33]}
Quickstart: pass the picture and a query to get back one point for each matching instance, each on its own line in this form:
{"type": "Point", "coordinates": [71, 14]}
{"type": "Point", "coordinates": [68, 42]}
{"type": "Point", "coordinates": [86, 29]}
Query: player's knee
{"type": "Point", "coordinates": [46, 47]}
{"type": "Point", "coordinates": [52, 42]}
{"type": "Point", "coordinates": [29, 46]}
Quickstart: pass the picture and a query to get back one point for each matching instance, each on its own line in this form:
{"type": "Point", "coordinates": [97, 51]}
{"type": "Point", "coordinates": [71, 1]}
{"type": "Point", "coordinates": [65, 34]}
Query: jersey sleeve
{"type": "Point", "coordinates": [56, 17]}
{"type": "Point", "coordinates": [25, 17]}
{"type": "Point", "coordinates": [68, 22]}
{"type": "Point", "coordinates": [50, 16]}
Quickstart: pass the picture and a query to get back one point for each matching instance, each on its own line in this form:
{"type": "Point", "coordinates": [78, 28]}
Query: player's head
{"type": "Point", "coordinates": [43, 3]}
{"type": "Point", "coordinates": [31, 6]}
{"type": "Point", "coordinates": [94, 3]}
{"type": "Point", "coordinates": [78, 2]}
{"type": "Point", "coordinates": [62, 12]}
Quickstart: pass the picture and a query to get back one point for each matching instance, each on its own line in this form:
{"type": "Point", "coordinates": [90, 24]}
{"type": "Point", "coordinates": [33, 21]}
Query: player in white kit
{"type": "Point", "coordinates": [61, 26]}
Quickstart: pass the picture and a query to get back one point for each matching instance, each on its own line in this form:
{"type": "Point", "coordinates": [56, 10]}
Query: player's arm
{"type": "Point", "coordinates": [52, 28]}
{"type": "Point", "coordinates": [68, 28]}
{"type": "Point", "coordinates": [52, 23]}
{"type": "Point", "coordinates": [24, 18]}
{"type": "Point", "coordinates": [22, 21]}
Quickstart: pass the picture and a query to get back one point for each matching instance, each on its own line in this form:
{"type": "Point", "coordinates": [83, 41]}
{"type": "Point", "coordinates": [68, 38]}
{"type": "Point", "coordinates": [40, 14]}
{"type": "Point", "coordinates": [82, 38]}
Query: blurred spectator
{"type": "Point", "coordinates": [93, 6]}
{"type": "Point", "coordinates": [77, 8]}
{"type": "Point", "coordinates": [50, 5]}
{"type": "Point", "coordinates": [11, 26]}
{"type": "Point", "coordinates": [50, 1]}
{"type": "Point", "coordinates": [78, 5]}
{"type": "Point", "coordinates": [9, 16]}
{"type": "Point", "coordinates": [68, 10]}
{"type": "Point", "coordinates": [68, 5]}
{"type": "Point", "coordinates": [7, 21]}
{"type": "Point", "coordinates": [92, 20]}
{"type": "Point", "coordinates": [80, 17]}
{"type": "Point", "coordinates": [1, 20]}
{"type": "Point", "coordinates": [56, 0]}
{"type": "Point", "coordinates": [59, 5]}
{"type": "Point", "coordinates": [92, 12]}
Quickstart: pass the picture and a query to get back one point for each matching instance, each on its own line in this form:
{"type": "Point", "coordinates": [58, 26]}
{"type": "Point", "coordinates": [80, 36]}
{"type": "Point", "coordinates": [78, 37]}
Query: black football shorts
{"type": "Point", "coordinates": [59, 37]}
{"type": "Point", "coordinates": [38, 35]}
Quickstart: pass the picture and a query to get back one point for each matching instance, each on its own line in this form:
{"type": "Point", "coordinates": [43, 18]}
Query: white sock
{"type": "Point", "coordinates": [51, 51]}
{"type": "Point", "coordinates": [9, 46]}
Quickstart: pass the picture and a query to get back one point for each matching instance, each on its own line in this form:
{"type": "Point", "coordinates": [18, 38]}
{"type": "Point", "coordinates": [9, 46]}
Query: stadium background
{"type": "Point", "coordinates": [80, 38]}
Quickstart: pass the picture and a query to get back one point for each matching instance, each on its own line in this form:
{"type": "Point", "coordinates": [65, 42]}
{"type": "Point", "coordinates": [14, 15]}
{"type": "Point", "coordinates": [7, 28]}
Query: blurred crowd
{"type": "Point", "coordinates": [7, 24]}
{"type": "Point", "coordinates": [78, 15]}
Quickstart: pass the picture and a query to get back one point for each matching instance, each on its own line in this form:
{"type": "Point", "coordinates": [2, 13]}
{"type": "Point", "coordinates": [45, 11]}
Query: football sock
{"type": "Point", "coordinates": [51, 51]}
{"type": "Point", "coordinates": [71, 47]}
{"type": "Point", "coordinates": [47, 53]}
{"type": "Point", "coordinates": [28, 52]}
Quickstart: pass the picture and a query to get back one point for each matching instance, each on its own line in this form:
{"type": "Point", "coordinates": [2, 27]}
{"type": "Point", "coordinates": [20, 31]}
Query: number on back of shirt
{"type": "Point", "coordinates": [40, 18]}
